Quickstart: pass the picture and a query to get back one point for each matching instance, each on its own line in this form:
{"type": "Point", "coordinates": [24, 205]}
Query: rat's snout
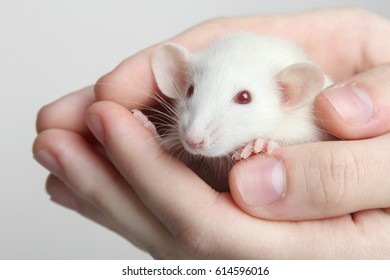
{"type": "Point", "coordinates": [201, 141]}
{"type": "Point", "coordinates": [194, 141]}
{"type": "Point", "coordinates": [197, 138]}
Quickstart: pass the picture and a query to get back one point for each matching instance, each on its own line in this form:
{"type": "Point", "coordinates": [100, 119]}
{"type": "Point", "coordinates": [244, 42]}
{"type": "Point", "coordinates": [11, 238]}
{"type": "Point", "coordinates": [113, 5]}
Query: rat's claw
{"type": "Point", "coordinates": [247, 150]}
{"type": "Point", "coordinates": [139, 116]}
{"type": "Point", "coordinates": [271, 145]}
{"type": "Point", "coordinates": [239, 154]}
{"type": "Point", "coordinates": [266, 146]}
{"type": "Point", "coordinates": [255, 147]}
{"type": "Point", "coordinates": [236, 156]}
{"type": "Point", "coordinates": [259, 145]}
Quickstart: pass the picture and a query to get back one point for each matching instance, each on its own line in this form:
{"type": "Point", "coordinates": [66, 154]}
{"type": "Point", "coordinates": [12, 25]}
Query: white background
{"type": "Point", "coordinates": [50, 48]}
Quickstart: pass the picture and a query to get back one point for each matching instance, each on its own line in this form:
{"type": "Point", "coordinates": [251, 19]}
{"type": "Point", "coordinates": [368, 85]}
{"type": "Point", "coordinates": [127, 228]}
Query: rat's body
{"type": "Point", "coordinates": [240, 93]}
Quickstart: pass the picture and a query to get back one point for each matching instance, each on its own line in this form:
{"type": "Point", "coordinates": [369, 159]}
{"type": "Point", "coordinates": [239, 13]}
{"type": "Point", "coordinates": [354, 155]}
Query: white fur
{"type": "Point", "coordinates": [241, 61]}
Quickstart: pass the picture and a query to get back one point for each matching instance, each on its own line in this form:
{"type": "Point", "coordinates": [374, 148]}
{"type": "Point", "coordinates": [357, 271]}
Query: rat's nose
{"type": "Point", "coordinates": [195, 143]}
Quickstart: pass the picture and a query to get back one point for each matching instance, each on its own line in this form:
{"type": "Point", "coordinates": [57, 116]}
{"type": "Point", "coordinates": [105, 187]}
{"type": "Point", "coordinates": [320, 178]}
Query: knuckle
{"type": "Point", "coordinates": [336, 171]}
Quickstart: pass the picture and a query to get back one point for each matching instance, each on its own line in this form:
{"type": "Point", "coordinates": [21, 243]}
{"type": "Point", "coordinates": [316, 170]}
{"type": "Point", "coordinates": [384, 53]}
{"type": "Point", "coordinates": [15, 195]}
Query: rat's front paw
{"type": "Point", "coordinates": [255, 147]}
{"type": "Point", "coordinates": [139, 116]}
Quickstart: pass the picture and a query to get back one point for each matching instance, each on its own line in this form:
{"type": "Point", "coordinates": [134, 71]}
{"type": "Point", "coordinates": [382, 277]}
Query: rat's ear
{"type": "Point", "coordinates": [169, 64]}
{"type": "Point", "coordinates": [300, 83]}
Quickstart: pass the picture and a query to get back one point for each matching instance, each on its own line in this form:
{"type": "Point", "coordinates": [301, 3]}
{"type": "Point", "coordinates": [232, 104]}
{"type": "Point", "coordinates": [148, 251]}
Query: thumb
{"type": "Point", "coordinates": [314, 180]}
{"type": "Point", "coordinates": [359, 107]}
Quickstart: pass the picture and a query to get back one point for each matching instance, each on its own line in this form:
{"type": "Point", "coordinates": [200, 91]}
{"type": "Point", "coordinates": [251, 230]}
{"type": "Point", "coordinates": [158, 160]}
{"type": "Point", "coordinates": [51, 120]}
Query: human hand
{"type": "Point", "coordinates": [325, 44]}
{"type": "Point", "coordinates": [193, 221]}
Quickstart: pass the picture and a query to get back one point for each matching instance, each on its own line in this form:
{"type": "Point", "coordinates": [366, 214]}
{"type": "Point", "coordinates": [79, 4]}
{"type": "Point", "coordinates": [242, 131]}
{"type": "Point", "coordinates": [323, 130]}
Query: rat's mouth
{"type": "Point", "coordinates": [204, 150]}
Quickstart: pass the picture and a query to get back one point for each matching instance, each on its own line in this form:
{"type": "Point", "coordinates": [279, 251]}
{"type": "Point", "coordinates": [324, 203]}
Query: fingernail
{"type": "Point", "coordinates": [261, 182]}
{"type": "Point", "coordinates": [353, 104]}
{"type": "Point", "coordinates": [63, 198]}
{"type": "Point", "coordinates": [48, 161]}
{"type": "Point", "coordinates": [95, 125]}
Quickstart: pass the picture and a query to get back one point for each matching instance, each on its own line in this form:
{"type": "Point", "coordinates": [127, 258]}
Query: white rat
{"type": "Point", "coordinates": [243, 94]}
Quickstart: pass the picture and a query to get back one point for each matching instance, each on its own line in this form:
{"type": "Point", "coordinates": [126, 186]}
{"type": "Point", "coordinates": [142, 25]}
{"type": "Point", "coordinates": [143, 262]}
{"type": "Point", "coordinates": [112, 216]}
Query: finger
{"type": "Point", "coordinates": [92, 178]}
{"type": "Point", "coordinates": [148, 154]}
{"type": "Point", "coordinates": [130, 84]}
{"type": "Point", "coordinates": [67, 112]}
{"type": "Point", "coordinates": [359, 107]}
{"type": "Point", "coordinates": [177, 196]}
{"type": "Point", "coordinates": [64, 196]}
{"type": "Point", "coordinates": [315, 180]}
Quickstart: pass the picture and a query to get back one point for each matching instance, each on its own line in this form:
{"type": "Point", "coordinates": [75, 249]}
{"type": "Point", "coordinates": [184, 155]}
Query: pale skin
{"type": "Point", "coordinates": [335, 196]}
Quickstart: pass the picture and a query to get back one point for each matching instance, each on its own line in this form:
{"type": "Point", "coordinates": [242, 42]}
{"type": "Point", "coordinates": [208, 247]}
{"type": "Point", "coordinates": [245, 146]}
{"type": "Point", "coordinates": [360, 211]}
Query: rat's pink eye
{"type": "Point", "coordinates": [243, 97]}
{"type": "Point", "coordinates": [190, 91]}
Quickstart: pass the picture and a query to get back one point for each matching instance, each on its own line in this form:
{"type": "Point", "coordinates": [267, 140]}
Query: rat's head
{"type": "Point", "coordinates": [223, 100]}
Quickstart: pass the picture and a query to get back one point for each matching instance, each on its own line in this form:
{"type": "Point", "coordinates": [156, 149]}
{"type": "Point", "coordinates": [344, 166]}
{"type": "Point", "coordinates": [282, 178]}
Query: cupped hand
{"type": "Point", "coordinates": [208, 224]}
{"type": "Point", "coordinates": [156, 202]}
